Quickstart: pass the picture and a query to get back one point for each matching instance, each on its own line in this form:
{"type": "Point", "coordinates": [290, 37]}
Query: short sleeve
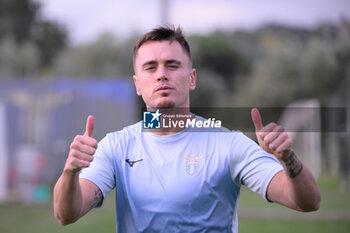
{"type": "Point", "coordinates": [251, 166]}
{"type": "Point", "coordinates": [101, 170]}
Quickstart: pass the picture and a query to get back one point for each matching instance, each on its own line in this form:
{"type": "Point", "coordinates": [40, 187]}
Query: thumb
{"type": "Point", "coordinates": [90, 125]}
{"type": "Point", "coordinates": [256, 119]}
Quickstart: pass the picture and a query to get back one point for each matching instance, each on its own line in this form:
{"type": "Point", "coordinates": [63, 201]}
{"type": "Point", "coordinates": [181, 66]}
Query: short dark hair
{"type": "Point", "coordinates": [164, 33]}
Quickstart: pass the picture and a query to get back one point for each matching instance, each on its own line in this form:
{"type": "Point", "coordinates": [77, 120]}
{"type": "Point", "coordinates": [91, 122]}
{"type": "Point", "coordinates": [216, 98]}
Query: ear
{"type": "Point", "coordinates": [137, 86]}
{"type": "Point", "coordinates": [193, 77]}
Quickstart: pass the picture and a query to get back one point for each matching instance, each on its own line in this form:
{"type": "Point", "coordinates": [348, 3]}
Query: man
{"type": "Point", "coordinates": [178, 180]}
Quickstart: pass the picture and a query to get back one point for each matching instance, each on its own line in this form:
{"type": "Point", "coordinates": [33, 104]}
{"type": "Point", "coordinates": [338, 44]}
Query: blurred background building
{"type": "Point", "coordinates": [61, 61]}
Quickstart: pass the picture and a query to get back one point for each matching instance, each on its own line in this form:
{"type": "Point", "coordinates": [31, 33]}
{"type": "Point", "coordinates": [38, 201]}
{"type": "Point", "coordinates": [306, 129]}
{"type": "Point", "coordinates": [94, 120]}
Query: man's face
{"type": "Point", "coordinates": [164, 75]}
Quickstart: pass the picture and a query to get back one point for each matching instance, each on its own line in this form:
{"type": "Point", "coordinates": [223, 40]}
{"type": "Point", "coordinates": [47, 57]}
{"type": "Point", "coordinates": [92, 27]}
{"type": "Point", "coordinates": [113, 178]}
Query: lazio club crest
{"type": "Point", "coordinates": [192, 164]}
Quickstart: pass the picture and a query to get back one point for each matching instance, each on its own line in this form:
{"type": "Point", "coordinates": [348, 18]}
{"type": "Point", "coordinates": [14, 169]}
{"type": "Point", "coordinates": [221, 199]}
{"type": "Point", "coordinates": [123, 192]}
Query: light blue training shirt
{"type": "Point", "coordinates": [184, 182]}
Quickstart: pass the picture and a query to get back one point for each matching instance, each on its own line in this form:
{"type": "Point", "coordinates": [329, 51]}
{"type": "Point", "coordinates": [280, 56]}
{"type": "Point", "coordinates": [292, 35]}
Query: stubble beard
{"type": "Point", "coordinates": [165, 105]}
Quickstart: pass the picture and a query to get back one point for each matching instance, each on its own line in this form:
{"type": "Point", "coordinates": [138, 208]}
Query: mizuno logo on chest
{"type": "Point", "coordinates": [131, 163]}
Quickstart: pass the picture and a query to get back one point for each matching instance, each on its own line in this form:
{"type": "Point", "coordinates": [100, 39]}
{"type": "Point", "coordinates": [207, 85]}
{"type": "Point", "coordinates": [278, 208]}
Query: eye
{"type": "Point", "coordinates": [173, 67]}
{"type": "Point", "coordinates": [149, 68]}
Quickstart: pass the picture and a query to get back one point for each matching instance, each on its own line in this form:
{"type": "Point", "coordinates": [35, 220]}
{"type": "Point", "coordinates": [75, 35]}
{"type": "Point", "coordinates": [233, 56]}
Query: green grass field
{"type": "Point", "coordinates": [255, 215]}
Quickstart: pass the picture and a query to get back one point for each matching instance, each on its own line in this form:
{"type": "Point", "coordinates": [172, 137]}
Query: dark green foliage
{"type": "Point", "coordinates": [28, 43]}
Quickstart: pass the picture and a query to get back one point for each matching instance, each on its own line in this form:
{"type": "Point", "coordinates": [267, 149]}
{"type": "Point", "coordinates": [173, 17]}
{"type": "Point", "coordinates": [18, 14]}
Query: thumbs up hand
{"type": "Point", "coordinates": [82, 149]}
{"type": "Point", "coordinates": [272, 137]}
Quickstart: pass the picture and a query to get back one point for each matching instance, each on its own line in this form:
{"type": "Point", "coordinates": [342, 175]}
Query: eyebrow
{"type": "Point", "coordinates": [173, 61]}
{"type": "Point", "coordinates": [152, 62]}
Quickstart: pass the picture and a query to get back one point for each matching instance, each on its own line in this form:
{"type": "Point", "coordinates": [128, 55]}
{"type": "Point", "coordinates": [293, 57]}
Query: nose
{"type": "Point", "coordinates": [162, 74]}
{"type": "Point", "coordinates": [162, 78]}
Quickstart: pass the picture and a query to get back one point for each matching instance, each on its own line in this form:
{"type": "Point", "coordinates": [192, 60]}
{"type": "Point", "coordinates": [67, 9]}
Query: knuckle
{"type": "Point", "coordinates": [91, 158]}
{"type": "Point", "coordinates": [73, 163]}
{"type": "Point", "coordinates": [85, 164]}
{"type": "Point", "coordinates": [285, 136]}
{"type": "Point", "coordinates": [73, 145]}
{"type": "Point", "coordinates": [280, 128]}
{"type": "Point", "coordinates": [262, 135]}
{"type": "Point", "coordinates": [82, 163]}
{"type": "Point", "coordinates": [93, 152]}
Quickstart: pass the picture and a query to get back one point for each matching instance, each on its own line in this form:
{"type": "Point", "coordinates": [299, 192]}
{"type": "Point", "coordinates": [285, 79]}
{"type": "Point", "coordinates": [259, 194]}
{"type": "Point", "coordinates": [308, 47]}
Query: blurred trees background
{"type": "Point", "coordinates": [269, 66]}
{"type": "Point", "coordinates": [28, 43]}
{"type": "Point", "coordinates": [105, 57]}
{"type": "Point", "coordinates": [298, 63]}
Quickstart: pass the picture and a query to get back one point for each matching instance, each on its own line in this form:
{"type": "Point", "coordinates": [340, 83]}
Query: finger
{"type": "Point", "coordinates": [90, 142]}
{"type": "Point", "coordinates": [77, 164]}
{"type": "Point", "coordinates": [285, 146]}
{"type": "Point", "coordinates": [87, 149]}
{"type": "Point", "coordinates": [80, 140]}
{"type": "Point", "coordinates": [267, 129]}
{"type": "Point", "coordinates": [80, 156]}
{"type": "Point", "coordinates": [90, 125]}
{"type": "Point", "coordinates": [275, 133]}
{"type": "Point", "coordinates": [278, 141]}
{"type": "Point", "coordinates": [256, 119]}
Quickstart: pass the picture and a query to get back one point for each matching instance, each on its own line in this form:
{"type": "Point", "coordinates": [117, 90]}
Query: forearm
{"type": "Point", "coordinates": [301, 186]}
{"type": "Point", "coordinates": [67, 198]}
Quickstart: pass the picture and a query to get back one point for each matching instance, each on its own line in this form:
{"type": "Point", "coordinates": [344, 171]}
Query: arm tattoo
{"type": "Point", "coordinates": [293, 166]}
{"type": "Point", "coordinates": [97, 198]}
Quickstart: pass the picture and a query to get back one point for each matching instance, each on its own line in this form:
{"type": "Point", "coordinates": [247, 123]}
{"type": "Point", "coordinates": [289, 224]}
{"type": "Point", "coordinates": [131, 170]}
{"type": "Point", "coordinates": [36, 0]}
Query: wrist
{"type": "Point", "coordinates": [71, 172]}
{"type": "Point", "coordinates": [287, 155]}
{"type": "Point", "coordinates": [292, 165]}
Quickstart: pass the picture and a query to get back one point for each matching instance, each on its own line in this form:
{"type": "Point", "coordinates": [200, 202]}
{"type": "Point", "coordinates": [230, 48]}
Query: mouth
{"type": "Point", "coordinates": [163, 88]}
